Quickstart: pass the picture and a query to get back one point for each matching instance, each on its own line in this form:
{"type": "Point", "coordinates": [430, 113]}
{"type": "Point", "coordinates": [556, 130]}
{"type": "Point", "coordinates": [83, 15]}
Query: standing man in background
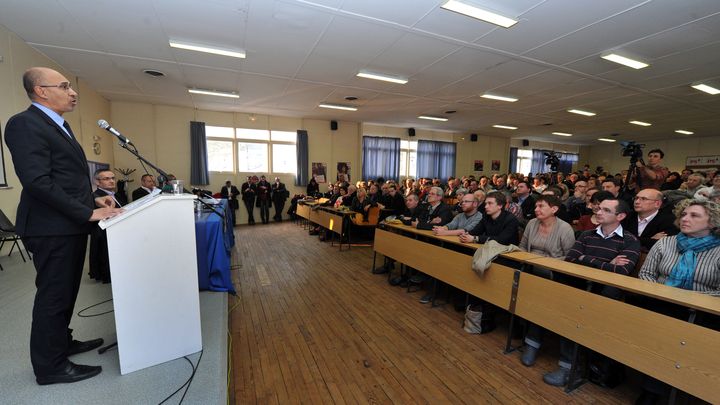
{"type": "Point", "coordinates": [279, 195]}
{"type": "Point", "coordinates": [249, 191]}
{"type": "Point", "coordinates": [230, 193]}
{"type": "Point", "coordinates": [54, 218]}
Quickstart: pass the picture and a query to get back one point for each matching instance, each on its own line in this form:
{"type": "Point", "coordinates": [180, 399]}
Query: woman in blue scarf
{"type": "Point", "coordinates": [689, 260]}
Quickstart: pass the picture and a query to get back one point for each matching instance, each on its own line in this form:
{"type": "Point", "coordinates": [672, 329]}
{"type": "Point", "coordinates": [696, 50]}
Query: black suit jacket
{"type": "Point", "coordinates": [139, 193]}
{"type": "Point", "coordinates": [664, 221]}
{"type": "Point", "coordinates": [528, 207]}
{"type": "Point", "coordinates": [442, 211]}
{"type": "Point", "coordinates": [57, 196]}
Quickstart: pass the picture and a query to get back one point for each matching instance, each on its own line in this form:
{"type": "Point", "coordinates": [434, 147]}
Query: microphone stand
{"type": "Point", "coordinates": [163, 174]}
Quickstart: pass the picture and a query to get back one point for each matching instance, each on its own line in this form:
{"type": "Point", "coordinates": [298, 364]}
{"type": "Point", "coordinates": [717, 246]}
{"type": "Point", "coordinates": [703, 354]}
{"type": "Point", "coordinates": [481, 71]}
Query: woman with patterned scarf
{"type": "Point", "coordinates": [689, 260]}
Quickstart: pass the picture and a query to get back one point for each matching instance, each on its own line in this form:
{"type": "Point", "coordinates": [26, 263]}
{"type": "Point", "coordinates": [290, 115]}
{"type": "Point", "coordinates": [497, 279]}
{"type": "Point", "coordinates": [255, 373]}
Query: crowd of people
{"type": "Point", "coordinates": [603, 221]}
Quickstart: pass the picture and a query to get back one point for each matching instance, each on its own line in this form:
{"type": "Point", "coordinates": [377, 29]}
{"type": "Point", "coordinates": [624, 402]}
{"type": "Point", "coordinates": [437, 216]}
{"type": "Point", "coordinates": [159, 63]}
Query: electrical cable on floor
{"type": "Point", "coordinates": [80, 312]}
{"type": "Point", "coordinates": [187, 383]}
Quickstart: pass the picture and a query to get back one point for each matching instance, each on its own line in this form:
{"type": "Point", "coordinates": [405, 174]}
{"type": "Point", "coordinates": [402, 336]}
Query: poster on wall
{"type": "Point", "coordinates": [702, 161]}
{"type": "Point", "coordinates": [319, 172]}
{"type": "Point", "coordinates": [495, 165]}
{"type": "Point", "coordinates": [479, 165]}
{"type": "Point", "coordinates": [343, 171]}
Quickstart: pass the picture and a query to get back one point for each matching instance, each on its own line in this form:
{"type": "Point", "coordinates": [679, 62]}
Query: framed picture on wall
{"type": "Point", "coordinates": [319, 172]}
{"type": "Point", "coordinates": [496, 165]}
{"type": "Point", "coordinates": [479, 165]}
{"type": "Point", "coordinates": [343, 171]}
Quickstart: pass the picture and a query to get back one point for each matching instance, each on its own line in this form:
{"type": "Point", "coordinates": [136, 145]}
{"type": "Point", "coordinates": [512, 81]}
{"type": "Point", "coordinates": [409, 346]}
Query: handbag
{"type": "Point", "coordinates": [478, 321]}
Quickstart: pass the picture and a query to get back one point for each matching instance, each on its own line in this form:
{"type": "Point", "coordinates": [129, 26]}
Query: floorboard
{"type": "Point", "coordinates": [312, 325]}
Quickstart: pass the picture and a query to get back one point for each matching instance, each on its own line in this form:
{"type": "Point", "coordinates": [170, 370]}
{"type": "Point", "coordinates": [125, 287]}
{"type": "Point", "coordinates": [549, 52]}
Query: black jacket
{"type": "Point", "coordinates": [503, 230]}
{"type": "Point", "coordinates": [442, 211]}
{"type": "Point", "coordinates": [56, 198]}
{"type": "Point", "coordinates": [664, 221]}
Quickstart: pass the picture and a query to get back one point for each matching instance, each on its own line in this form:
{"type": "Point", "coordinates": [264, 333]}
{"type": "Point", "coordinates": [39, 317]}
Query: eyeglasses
{"type": "Point", "coordinates": [106, 178]}
{"type": "Point", "coordinates": [608, 211]}
{"type": "Point", "coordinates": [467, 201]}
{"type": "Point", "coordinates": [63, 86]}
{"type": "Point", "coordinates": [643, 199]}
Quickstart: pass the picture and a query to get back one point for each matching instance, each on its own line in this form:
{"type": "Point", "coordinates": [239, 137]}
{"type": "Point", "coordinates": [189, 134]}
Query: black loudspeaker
{"type": "Point", "coordinates": [473, 137]}
{"type": "Point", "coordinates": [333, 125]}
{"type": "Point", "coordinates": [411, 131]}
{"type": "Point", "coordinates": [526, 142]}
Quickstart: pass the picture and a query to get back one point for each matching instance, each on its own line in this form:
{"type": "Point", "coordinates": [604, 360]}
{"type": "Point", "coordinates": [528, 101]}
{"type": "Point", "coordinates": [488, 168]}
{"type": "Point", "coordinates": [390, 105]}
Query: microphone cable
{"type": "Point", "coordinates": [81, 315]}
{"type": "Point", "coordinates": [187, 383]}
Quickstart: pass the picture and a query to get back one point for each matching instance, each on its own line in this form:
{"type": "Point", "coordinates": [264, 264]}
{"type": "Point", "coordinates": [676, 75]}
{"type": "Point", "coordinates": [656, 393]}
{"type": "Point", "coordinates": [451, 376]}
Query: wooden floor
{"type": "Point", "coordinates": [312, 325]}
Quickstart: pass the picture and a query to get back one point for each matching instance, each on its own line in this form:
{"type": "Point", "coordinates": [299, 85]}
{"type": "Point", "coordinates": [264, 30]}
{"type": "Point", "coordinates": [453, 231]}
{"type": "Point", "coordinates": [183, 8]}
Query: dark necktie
{"type": "Point", "coordinates": [70, 132]}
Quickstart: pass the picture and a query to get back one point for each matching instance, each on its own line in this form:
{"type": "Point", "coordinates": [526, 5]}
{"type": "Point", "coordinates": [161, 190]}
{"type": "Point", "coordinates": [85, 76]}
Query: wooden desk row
{"type": "Point", "coordinates": [326, 217]}
{"type": "Point", "coordinates": [682, 354]}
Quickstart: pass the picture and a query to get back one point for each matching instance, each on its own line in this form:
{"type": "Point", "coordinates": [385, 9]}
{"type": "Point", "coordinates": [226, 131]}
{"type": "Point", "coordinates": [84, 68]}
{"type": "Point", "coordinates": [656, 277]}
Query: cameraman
{"type": "Point", "coordinates": [652, 174]}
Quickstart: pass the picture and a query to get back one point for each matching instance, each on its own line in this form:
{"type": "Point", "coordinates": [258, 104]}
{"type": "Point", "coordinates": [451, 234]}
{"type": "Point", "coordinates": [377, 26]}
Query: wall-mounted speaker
{"type": "Point", "coordinates": [526, 142]}
{"type": "Point", "coordinates": [333, 125]}
{"type": "Point", "coordinates": [473, 137]}
{"type": "Point", "coordinates": [411, 131]}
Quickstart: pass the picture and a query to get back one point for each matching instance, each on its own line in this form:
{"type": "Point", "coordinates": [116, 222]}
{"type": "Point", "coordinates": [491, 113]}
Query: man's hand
{"type": "Point", "coordinates": [436, 220]}
{"type": "Point", "coordinates": [439, 230]}
{"type": "Point", "coordinates": [620, 260]}
{"type": "Point", "coordinates": [104, 213]}
{"type": "Point", "coordinates": [106, 201]}
{"type": "Point", "coordinates": [414, 223]}
{"type": "Point", "coordinates": [467, 238]}
{"type": "Point", "coordinates": [659, 235]}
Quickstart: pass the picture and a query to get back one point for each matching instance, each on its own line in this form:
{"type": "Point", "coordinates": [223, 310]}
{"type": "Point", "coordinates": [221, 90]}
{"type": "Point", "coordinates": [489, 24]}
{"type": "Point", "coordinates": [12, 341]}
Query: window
{"type": "Point", "coordinates": [408, 159]}
{"type": "Point", "coordinates": [524, 160]}
{"type": "Point", "coordinates": [247, 150]}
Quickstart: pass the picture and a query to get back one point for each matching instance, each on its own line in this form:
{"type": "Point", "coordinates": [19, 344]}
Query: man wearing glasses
{"type": "Point", "coordinates": [98, 257]}
{"type": "Point", "coordinates": [608, 247]}
{"type": "Point", "coordinates": [648, 221]}
{"type": "Point", "coordinates": [464, 222]}
{"type": "Point", "coordinates": [54, 218]}
{"type": "Point", "coordinates": [438, 213]}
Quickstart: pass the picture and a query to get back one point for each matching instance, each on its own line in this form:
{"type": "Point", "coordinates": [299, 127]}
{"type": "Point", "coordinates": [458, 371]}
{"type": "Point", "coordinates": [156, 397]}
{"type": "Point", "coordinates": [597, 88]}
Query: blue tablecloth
{"type": "Point", "coordinates": [214, 246]}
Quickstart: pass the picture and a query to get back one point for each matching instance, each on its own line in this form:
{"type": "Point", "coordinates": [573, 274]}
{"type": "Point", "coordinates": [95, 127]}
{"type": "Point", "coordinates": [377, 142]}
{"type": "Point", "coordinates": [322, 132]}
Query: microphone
{"type": "Point", "coordinates": [104, 125]}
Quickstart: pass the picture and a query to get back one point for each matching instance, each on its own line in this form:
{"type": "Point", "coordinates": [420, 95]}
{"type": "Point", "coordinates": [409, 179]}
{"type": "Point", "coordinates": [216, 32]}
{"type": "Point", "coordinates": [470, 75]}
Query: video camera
{"type": "Point", "coordinates": [633, 150]}
{"type": "Point", "coordinates": [552, 160]}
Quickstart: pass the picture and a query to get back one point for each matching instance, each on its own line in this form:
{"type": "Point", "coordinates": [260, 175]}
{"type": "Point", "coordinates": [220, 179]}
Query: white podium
{"type": "Point", "coordinates": [153, 265]}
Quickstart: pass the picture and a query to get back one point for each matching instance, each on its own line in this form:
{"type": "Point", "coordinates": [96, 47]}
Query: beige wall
{"type": "Point", "coordinates": [18, 57]}
{"type": "Point", "coordinates": [676, 150]}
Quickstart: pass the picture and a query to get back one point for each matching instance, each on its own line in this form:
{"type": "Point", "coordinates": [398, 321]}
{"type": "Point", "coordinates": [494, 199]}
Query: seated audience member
{"type": "Point", "coordinates": [348, 199]}
{"type": "Point", "coordinates": [539, 184]}
{"type": "Point", "coordinates": [313, 188]}
{"type": "Point", "coordinates": [484, 184]}
{"type": "Point", "coordinates": [437, 213]}
{"type": "Point", "coordinates": [98, 260]}
{"type": "Point", "coordinates": [589, 221]}
{"type": "Point", "coordinates": [480, 195]}
{"type": "Point", "coordinates": [464, 221]}
{"type": "Point", "coordinates": [648, 221]}
{"type": "Point", "coordinates": [413, 210]}
{"type": "Point", "coordinates": [545, 235]}
{"type": "Point", "coordinates": [147, 185]}
{"type": "Point", "coordinates": [373, 194]}
{"type": "Point", "coordinates": [526, 201]}
{"type": "Point", "coordinates": [497, 224]}
{"type": "Point", "coordinates": [691, 261]}
{"type": "Point", "coordinates": [457, 208]}
{"type": "Point", "coordinates": [576, 203]}
{"type": "Point", "coordinates": [672, 182]}
{"type": "Point", "coordinates": [562, 211]}
{"type": "Point", "coordinates": [607, 248]}
{"type": "Point", "coordinates": [685, 173]}
{"type": "Point", "coordinates": [705, 192]}
{"type": "Point", "coordinates": [361, 203]}
{"type": "Point", "coordinates": [395, 201]}
{"type": "Point", "coordinates": [687, 189]}
{"type": "Point", "coordinates": [614, 187]}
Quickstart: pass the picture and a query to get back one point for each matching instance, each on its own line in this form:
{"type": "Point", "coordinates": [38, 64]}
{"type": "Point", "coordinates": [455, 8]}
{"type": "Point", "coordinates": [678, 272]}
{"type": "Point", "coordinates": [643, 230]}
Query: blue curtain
{"type": "Point", "coordinates": [381, 158]}
{"type": "Point", "coordinates": [513, 160]}
{"type": "Point", "coordinates": [566, 162]}
{"type": "Point", "coordinates": [435, 159]}
{"type": "Point", "coordinates": [302, 176]}
{"type": "Point", "coordinates": [199, 174]}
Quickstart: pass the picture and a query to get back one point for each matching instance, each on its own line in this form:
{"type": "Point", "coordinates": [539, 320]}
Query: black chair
{"type": "Point", "coordinates": [7, 234]}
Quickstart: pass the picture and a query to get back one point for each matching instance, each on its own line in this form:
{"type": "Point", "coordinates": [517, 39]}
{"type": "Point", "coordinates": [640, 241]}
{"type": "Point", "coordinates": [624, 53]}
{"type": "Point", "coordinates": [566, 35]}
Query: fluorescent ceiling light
{"type": "Point", "coordinates": [706, 88]}
{"type": "Point", "coordinates": [214, 93]}
{"type": "Point", "coordinates": [504, 127]}
{"type": "Point", "coordinates": [206, 49]}
{"type": "Point", "coordinates": [501, 98]}
{"type": "Point", "coordinates": [606, 140]}
{"type": "Point", "coordinates": [641, 123]}
{"type": "Point", "coordinates": [431, 118]}
{"type": "Point", "coordinates": [635, 64]}
{"type": "Point", "coordinates": [684, 132]}
{"type": "Point", "coordinates": [581, 112]}
{"type": "Point", "coordinates": [561, 134]}
{"type": "Point", "coordinates": [384, 78]}
{"type": "Point", "coordinates": [338, 107]}
{"type": "Point", "coordinates": [480, 14]}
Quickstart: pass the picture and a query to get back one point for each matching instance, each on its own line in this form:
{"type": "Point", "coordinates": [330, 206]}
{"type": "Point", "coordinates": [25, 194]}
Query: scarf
{"type": "Point", "coordinates": [683, 272]}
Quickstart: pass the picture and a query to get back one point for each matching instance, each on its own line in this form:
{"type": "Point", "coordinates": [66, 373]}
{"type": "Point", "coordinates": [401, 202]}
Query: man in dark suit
{"type": "Point", "coordinates": [648, 221]}
{"type": "Point", "coordinates": [526, 201]}
{"type": "Point", "coordinates": [249, 192]}
{"type": "Point", "coordinates": [98, 257]}
{"type": "Point", "coordinates": [230, 193]}
{"type": "Point", "coordinates": [147, 185]}
{"type": "Point", "coordinates": [437, 213]}
{"type": "Point", "coordinates": [54, 218]}
{"type": "Point", "coordinates": [279, 195]}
